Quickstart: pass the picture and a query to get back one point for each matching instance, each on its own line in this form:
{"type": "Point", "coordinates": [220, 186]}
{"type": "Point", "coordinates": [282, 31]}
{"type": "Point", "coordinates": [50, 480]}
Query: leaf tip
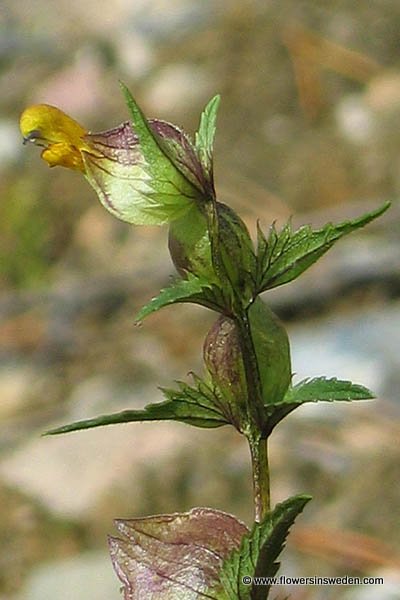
{"type": "Point", "coordinates": [49, 432]}
{"type": "Point", "coordinates": [125, 90]}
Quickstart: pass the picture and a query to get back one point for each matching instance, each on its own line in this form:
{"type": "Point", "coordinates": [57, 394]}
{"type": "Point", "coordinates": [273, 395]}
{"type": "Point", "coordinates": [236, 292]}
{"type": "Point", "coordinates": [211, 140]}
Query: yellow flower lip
{"type": "Point", "coordinates": [50, 123]}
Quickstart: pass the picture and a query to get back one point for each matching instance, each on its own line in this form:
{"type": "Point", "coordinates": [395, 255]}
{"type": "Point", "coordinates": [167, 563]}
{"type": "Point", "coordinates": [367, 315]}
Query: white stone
{"type": "Point", "coordinates": [355, 119]}
{"type": "Point", "coordinates": [16, 385]}
{"type": "Point", "coordinates": [71, 473]}
{"type": "Point", "coordinates": [89, 576]}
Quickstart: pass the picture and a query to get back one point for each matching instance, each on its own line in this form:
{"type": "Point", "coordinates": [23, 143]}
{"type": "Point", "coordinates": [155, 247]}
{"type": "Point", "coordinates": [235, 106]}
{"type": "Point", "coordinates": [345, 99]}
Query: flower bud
{"type": "Point", "coordinates": [224, 360]}
{"type": "Point", "coordinates": [191, 249]}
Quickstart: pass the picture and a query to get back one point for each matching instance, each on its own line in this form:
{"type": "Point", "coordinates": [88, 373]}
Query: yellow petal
{"type": "Point", "coordinates": [63, 155]}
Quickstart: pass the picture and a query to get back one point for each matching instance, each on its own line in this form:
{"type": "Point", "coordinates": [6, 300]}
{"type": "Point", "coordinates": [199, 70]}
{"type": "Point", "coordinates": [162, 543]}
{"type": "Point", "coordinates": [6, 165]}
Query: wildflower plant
{"type": "Point", "coordinates": [150, 172]}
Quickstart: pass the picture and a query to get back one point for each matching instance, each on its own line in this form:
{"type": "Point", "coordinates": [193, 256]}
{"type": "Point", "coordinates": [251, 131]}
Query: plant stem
{"type": "Point", "coordinates": [255, 404]}
{"type": "Point", "coordinates": [255, 411]}
{"type": "Point", "coordinates": [260, 471]}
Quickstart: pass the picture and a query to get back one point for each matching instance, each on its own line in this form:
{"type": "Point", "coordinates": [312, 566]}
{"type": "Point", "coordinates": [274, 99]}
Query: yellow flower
{"type": "Point", "coordinates": [144, 172]}
{"type": "Point", "coordinates": [61, 135]}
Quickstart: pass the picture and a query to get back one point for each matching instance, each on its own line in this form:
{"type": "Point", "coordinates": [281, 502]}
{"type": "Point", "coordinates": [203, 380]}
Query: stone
{"type": "Point", "coordinates": [89, 575]}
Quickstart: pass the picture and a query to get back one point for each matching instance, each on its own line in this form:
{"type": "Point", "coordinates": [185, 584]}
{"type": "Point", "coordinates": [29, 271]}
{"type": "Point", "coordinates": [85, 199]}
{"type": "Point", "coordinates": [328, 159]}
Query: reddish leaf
{"type": "Point", "coordinates": [174, 557]}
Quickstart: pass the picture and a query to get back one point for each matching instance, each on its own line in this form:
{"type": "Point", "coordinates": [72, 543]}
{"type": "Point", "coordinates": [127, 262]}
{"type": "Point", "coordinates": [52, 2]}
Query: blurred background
{"type": "Point", "coordinates": [309, 128]}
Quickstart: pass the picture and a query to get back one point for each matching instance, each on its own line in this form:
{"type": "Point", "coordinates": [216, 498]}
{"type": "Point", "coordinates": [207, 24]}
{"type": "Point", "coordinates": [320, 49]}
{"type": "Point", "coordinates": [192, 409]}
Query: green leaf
{"type": "Point", "coordinates": [199, 403]}
{"type": "Point", "coordinates": [286, 254]}
{"type": "Point", "coordinates": [319, 389]}
{"type": "Point", "coordinates": [183, 290]}
{"type": "Point", "coordinates": [204, 139]}
{"type": "Point", "coordinates": [195, 406]}
{"type": "Point", "coordinates": [328, 390]}
{"type": "Point", "coordinates": [259, 550]}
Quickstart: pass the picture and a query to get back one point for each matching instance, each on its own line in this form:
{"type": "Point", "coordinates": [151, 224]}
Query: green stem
{"type": "Point", "coordinates": [260, 470]}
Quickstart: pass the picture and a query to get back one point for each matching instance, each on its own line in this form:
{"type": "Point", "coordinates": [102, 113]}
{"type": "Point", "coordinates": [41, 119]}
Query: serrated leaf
{"type": "Point", "coordinates": [209, 413]}
{"type": "Point", "coordinates": [174, 557]}
{"type": "Point", "coordinates": [183, 290]}
{"type": "Point", "coordinates": [286, 254]}
{"type": "Point", "coordinates": [319, 389]}
{"type": "Point", "coordinates": [328, 390]}
{"type": "Point", "coordinates": [259, 550]}
{"type": "Point", "coordinates": [204, 139]}
{"type": "Point", "coordinates": [191, 405]}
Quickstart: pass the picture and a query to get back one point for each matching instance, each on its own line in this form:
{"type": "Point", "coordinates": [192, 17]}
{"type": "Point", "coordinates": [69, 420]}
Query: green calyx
{"type": "Point", "coordinates": [189, 245]}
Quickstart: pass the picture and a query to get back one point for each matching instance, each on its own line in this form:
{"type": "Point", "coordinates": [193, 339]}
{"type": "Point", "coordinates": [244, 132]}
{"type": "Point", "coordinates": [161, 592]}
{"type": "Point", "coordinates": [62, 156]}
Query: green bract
{"type": "Point", "coordinates": [271, 345]}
